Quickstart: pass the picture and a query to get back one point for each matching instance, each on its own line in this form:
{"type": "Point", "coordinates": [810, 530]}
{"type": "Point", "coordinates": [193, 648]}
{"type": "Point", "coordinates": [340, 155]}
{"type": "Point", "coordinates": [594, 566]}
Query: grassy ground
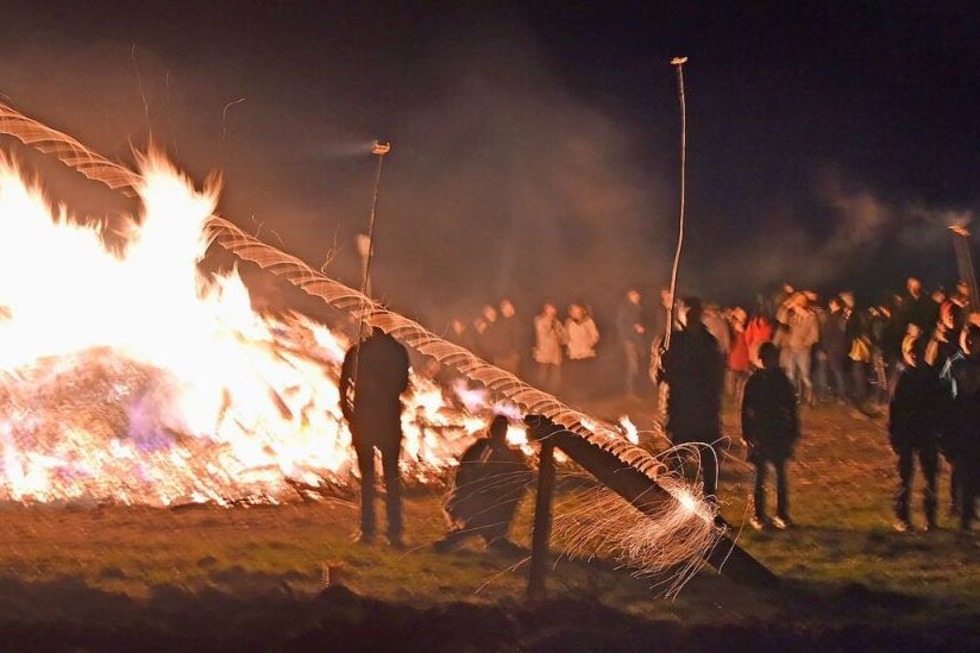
{"type": "Point", "coordinates": [842, 565]}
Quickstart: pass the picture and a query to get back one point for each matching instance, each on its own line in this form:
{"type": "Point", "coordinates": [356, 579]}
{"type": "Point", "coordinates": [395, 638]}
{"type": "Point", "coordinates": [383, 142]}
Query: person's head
{"type": "Point", "coordinates": [738, 315]}
{"type": "Point", "coordinates": [834, 304]}
{"type": "Point", "coordinates": [970, 342]}
{"type": "Point", "coordinates": [633, 295]}
{"type": "Point", "coordinates": [489, 313]}
{"type": "Point", "coordinates": [914, 349]}
{"type": "Point", "coordinates": [847, 298]}
{"type": "Point", "coordinates": [691, 311]}
{"type": "Point", "coordinates": [666, 299]}
{"type": "Point", "coordinates": [801, 301]}
{"type": "Point", "coordinates": [962, 289]}
{"type": "Point", "coordinates": [768, 355]}
{"type": "Point", "coordinates": [914, 286]}
{"type": "Point", "coordinates": [457, 326]}
{"type": "Point", "coordinates": [498, 429]}
{"type": "Point", "coordinates": [788, 289]}
{"type": "Point", "coordinates": [507, 308]}
{"type": "Point", "coordinates": [947, 319]}
{"type": "Point", "coordinates": [939, 295]}
{"type": "Point", "coordinates": [576, 312]}
{"type": "Point", "coordinates": [549, 310]}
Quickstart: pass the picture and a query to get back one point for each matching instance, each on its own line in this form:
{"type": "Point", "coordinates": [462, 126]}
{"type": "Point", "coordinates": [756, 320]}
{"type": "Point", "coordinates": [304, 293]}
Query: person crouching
{"type": "Point", "coordinates": [770, 427]}
{"type": "Point", "coordinates": [489, 484]}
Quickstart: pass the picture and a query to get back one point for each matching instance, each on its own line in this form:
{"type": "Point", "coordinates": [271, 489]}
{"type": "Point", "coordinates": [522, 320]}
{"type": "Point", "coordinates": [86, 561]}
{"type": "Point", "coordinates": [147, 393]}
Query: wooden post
{"type": "Point", "coordinates": [542, 521]}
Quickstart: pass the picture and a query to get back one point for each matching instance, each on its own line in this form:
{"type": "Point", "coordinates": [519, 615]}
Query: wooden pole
{"type": "Point", "coordinates": [679, 63]}
{"type": "Point", "coordinates": [540, 557]}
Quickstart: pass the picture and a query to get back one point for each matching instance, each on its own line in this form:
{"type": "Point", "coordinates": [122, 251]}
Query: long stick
{"type": "Point", "coordinates": [679, 62]}
{"type": "Point", "coordinates": [380, 149]}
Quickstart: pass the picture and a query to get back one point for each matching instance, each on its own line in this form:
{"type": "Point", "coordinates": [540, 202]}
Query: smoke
{"type": "Point", "coordinates": [504, 179]}
{"type": "Point", "coordinates": [846, 236]}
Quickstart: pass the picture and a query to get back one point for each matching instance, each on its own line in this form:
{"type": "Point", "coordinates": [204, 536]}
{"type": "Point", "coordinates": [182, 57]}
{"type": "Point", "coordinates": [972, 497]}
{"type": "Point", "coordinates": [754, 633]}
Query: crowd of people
{"type": "Point", "coordinates": [917, 353]}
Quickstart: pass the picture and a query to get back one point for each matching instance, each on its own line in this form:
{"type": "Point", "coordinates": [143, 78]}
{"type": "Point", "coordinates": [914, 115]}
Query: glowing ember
{"type": "Point", "coordinates": [129, 376]}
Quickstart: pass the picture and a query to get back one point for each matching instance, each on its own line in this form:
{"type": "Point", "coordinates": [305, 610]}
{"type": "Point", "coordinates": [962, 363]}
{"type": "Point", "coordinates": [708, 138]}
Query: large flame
{"type": "Point", "coordinates": [129, 376]}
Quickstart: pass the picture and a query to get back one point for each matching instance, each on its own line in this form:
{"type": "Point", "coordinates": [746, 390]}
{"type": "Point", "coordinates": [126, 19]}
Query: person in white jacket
{"type": "Point", "coordinates": [549, 336]}
{"type": "Point", "coordinates": [583, 336]}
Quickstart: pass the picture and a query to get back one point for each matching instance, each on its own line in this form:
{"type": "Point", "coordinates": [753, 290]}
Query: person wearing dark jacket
{"type": "Point", "coordinates": [694, 371]}
{"type": "Point", "coordinates": [372, 378]}
{"type": "Point", "coordinates": [962, 443]}
{"type": "Point", "coordinates": [490, 482]}
{"type": "Point", "coordinates": [914, 427]}
{"type": "Point", "coordinates": [770, 427]}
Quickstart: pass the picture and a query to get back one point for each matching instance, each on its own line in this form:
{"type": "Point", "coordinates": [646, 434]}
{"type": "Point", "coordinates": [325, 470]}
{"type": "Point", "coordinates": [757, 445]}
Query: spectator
{"type": "Point", "coordinates": [694, 371]}
{"type": "Point", "coordinates": [770, 427]}
{"type": "Point", "coordinates": [802, 334]}
{"type": "Point", "coordinates": [739, 364]}
{"type": "Point", "coordinates": [833, 344]}
{"type": "Point", "coordinates": [488, 339]}
{"type": "Point", "coordinates": [582, 337]}
{"type": "Point", "coordinates": [962, 445]}
{"type": "Point", "coordinates": [629, 325]}
{"type": "Point", "coordinates": [373, 376]}
{"type": "Point", "coordinates": [508, 339]}
{"type": "Point", "coordinates": [758, 329]}
{"type": "Point", "coordinates": [914, 429]}
{"type": "Point", "coordinates": [549, 337]}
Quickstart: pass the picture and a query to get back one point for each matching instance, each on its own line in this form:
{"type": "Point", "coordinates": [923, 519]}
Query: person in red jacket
{"type": "Point", "coordinates": [739, 363]}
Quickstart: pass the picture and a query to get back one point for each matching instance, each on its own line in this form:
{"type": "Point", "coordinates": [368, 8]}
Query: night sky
{"type": "Point", "coordinates": [536, 145]}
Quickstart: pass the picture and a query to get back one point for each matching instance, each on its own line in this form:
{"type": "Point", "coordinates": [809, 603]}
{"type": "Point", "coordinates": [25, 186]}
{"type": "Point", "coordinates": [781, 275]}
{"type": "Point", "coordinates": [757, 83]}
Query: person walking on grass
{"type": "Point", "coordinates": [770, 427]}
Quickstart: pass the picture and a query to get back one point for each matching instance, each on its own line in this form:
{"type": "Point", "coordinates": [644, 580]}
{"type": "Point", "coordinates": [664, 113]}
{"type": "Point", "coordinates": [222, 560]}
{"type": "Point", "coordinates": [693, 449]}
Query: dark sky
{"type": "Point", "coordinates": [535, 145]}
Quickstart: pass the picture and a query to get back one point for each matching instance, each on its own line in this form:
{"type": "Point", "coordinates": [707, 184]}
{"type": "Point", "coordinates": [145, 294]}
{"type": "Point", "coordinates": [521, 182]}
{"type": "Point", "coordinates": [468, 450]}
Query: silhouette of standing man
{"type": "Point", "coordinates": [372, 378]}
{"type": "Point", "coordinates": [694, 370]}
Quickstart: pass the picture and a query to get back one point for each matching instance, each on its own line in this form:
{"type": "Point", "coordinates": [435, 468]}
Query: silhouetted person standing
{"type": "Point", "coordinates": [372, 378]}
{"type": "Point", "coordinates": [694, 371]}
{"type": "Point", "coordinates": [963, 439]}
{"type": "Point", "coordinates": [770, 427]}
{"type": "Point", "coordinates": [914, 427]}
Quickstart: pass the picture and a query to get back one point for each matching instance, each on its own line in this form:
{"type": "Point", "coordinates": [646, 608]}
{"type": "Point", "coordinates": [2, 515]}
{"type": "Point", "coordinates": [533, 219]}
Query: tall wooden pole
{"type": "Point", "coordinates": [679, 62]}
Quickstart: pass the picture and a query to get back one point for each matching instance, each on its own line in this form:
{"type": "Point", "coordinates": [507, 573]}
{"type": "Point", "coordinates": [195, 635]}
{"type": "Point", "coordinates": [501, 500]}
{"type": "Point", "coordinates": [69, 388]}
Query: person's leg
{"type": "Point", "coordinates": [929, 463]}
{"type": "Point", "coordinates": [782, 490]}
{"type": "Point", "coordinates": [365, 465]}
{"type": "Point", "coordinates": [837, 373]}
{"type": "Point", "coordinates": [709, 470]}
{"type": "Point", "coordinates": [820, 386]}
{"type": "Point", "coordinates": [806, 383]}
{"type": "Point", "coordinates": [968, 492]}
{"type": "Point", "coordinates": [632, 367]}
{"type": "Point", "coordinates": [759, 495]}
{"type": "Point", "coordinates": [393, 490]}
{"type": "Point", "coordinates": [904, 486]}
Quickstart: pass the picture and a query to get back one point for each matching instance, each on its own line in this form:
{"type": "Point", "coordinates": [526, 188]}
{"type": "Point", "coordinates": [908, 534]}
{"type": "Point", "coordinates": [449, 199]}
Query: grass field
{"type": "Point", "coordinates": [104, 569]}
